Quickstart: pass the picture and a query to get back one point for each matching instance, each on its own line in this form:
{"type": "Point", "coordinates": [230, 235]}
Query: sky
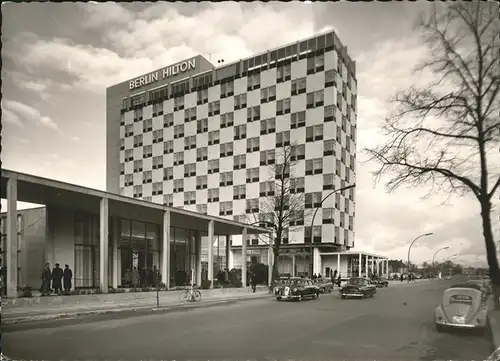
{"type": "Point", "coordinates": [58, 60]}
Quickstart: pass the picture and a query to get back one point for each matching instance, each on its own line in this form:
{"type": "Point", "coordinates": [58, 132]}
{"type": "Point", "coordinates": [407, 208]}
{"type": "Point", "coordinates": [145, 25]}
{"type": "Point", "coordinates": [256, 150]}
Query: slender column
{"type": "Point", "coordinates": [366, 266]}
{"type": "Point", "coordinates": [198, 258]}
{"type": "Point", "coordinates": [165, 250]}
{"type": "Point", "coordinates": [244, 258]}
{"type": "Point", "coordinates": [116, 253]}
{"type": "Point", "coordinates": [210, 273]}
{"type": "Point", "coordinates": [338, 263]}
{"type": "Point", "coordinates": [228, 243]}
{"type": "Point", "coordinates": [360, 264]}
{"type": "Point", "coordinates": [373, 264]}
{"type": "Point", "coordinates": [11, 228]}
{"type": "Point", "coordinates": [294, 265]}
{"type": "Point", "coordinates": [103, 244]}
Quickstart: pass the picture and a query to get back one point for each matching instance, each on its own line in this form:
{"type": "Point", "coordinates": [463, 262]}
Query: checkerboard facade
{"type": "Point", "coordinates": [207, 145]}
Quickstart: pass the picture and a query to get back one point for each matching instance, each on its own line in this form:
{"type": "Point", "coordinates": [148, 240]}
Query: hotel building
{"type": "Point", "coordinates": [202, 137]}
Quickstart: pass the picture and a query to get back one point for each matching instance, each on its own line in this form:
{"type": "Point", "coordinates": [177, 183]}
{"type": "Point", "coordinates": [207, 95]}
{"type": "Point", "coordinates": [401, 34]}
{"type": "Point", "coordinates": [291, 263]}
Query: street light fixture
{"type": "Point", "coordinates": [409, 249]}
{"type": "Point", "coordinates": [311, 254]}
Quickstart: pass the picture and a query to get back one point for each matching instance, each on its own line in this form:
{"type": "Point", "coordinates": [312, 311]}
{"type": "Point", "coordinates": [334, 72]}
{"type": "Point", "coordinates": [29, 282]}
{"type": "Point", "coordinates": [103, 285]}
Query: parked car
{"type": "Point", "coordinates": [325, 285]}
{"type": "Point", "coordinates": [463, 306]}
{"type": "Point", "coordinates": [358, 287]}
{"type": "Point", "coordinates": [296, 288]}
{"type": "Point", "coordinates": [380, 282]}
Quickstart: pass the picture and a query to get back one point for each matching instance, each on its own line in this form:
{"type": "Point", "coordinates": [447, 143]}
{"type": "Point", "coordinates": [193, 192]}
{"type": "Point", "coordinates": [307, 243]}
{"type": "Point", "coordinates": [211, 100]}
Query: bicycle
{"type": "Point", "coordinates": [190, 295]}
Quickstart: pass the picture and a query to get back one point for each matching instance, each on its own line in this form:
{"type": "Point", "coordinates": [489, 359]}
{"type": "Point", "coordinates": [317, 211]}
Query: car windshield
{"type": "Point", "coordinates": [357, 281]}
{"type": "Point", "coordinates": [298, 282]}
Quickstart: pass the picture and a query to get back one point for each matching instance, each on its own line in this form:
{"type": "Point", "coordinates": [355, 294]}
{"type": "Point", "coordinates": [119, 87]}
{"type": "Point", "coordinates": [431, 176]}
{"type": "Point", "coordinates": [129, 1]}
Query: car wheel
{"type": "Point", "coordinates": [314, 296]}
{"type": "Point", "coordinates": [439, 328]}
{"type": "Point", "coordinates": [317, 296]}
{"type": "Point", "coordinates": [342, 297]}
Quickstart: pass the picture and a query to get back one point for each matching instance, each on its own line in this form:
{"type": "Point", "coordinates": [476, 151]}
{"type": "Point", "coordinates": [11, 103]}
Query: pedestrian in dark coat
{"type": "Point", "coordinates": [57, 275]}
{"type": "Point", "coordinates": [339, 280]}
{"type": "Point", "coordinates": [67, 276]}
{"type": "Point", "coordinates": [46, 277]}
{"type": "Point", "coordinates": [253, 281]}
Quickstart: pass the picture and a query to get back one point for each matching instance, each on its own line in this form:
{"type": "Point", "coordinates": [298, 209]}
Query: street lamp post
{"type": "Point", "coordinates": [409, 249]}
{"type": "Point", "coordinates": [434, 257]}
{"type": "Point", "coordinates": [311, 254]}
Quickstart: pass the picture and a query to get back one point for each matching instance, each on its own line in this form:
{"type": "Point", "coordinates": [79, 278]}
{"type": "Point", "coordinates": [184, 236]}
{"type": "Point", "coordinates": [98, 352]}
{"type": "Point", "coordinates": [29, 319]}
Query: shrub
{"type": "Point", "coordinates": [205, 284]}
{"type": "Point", "coordinates": [25, 291]}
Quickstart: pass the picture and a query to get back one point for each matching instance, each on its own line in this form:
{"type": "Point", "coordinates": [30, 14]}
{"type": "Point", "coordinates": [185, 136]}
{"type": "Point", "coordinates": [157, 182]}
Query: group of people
{"type": "Point", "coordinates": [56, 280]}
{"type": "Point", "coordinates": [142, 277]}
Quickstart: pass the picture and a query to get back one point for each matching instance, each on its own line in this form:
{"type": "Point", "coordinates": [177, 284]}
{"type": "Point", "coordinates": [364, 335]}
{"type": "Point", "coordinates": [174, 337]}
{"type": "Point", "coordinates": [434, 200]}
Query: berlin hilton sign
{"type": "Point", "coordinates": [166, 73]}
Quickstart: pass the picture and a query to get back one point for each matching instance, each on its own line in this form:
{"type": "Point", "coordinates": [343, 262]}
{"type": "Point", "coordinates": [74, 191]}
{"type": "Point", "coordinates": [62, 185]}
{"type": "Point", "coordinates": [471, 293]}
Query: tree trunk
{"type": "Point", "coordinates": [274, 271]}
{"type": "Point", "coordinates": [491, 253]}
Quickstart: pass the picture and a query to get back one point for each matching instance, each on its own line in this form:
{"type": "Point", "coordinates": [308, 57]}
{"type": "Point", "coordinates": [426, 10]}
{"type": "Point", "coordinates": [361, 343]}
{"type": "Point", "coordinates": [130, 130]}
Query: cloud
{"type": "Point", "coordinates": [10, 117]}
{"type": "Point", "coordinates": [24, 111]}
{"type": "Point", "coordinates": [75, 138]}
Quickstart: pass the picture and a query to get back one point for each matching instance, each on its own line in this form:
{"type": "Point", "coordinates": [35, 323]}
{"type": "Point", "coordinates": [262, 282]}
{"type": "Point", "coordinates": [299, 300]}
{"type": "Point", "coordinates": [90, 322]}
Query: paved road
{"type": "Point", "coordinates": [396, 324]}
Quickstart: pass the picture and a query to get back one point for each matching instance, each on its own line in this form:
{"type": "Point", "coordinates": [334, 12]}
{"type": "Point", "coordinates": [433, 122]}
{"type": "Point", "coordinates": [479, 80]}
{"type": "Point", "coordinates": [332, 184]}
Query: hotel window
{"type": "Point", "coordinates": [190, 142]}
{"type": "Point", "coordinates": [353, 133]}
{"type": "Point", "coordinates": [240, 161]}
{"type": "Point", "coordinates": [122, 168]}
{"type": "Point", "coordinates": [168, 173]}
{"type": "Point", "coordinates": [179, 158]}
{"type": "Point", "coordinates": [297, 152]}
{"type": "Point", "coordinates": [352, 164]}
{"type": "Point", "coordinates": [281, 172]}
{"type": "Point", "coordinates": [226, 150]}
{"type": "Point", "coordinates": [179, 131]}
{"type": "Point", "coordinates": [314, 133]}
{"type": "Point", "coordinates": [168, 200]}
{"type": "Point", "coordinates": [213, 166]}
{"type": "Point", "coordinates": [339, 100]}
{"type": "Point", "coordinates": [190, 170]}
{"type": "Point", "coordinates": [138, 115]}
{"type": "Point", "coordinates": [227, 120]}
{"type": "Point", "coordinates": [122, 144]}
{"type": "Point", "coordinates": [266, 189]}
{"type": "Point", "coordinates": [344, 123]}
{"type": "Point", "coordinates": [190, 198]}
{"type": "Point", "coordinates": [267, 126]}
{"type": "Point", "coordinates": [312, 200]}
{"type": "Point", "coordinates": [201, 182]}
{"type": "Point", "coordinates": [190, 114]}
{"type": "Point", "coordinates": [342, 155]}
{"type": "Point", "coordinates": [158, 136]}
{"type": "Point", "coordinates": [147, 151]}
{"type": "Point", "coordinates": [214, 108]}
{"type": "Point", "coordinates": [342, 220]}
{"type": "Point", "coordinates": [122, 119]}
{"type": "Point", "coordinates": [168, 120]}
{"type": "Point", "coordinates": [158, 162]}
{"type": "Point", "coordinates": [138, 141]}
{"type": "Point", "coordinates": [178, 185]}
{"type": "Point", "coordinates": [299, 86]}
{"type": "Point", "coordinates": [329, 114]}
{"type": "Point", "coordinates": [253, 145]}
{"type": "Point", "coordinates": [353, 101]}
{"type": "Point", "coordinates": [339, 133]}
{"type": "Point", "coordinates": [252, 206]}
{"type": "Point", "coordinates": [283, 73]}
{"type": "Point", "coordinates": [226, 179]}
{"type": "Point", "coordinates": [328, 182]}
{"type": "Point", "coordinates": [201, 154]}
{"type": "Point", "coordinates": [213, 137]}
{"type": "Point", "coordinates": [267, 157]}
{"type": "Point", "coordinates": [314, 166]}
{"type": "Point", "coordinates": [179, 103]}
{"type": "Point", "coordinates": [297, 185]}
{"type": "Point", "coordinates": [344, 90]}
{"type": "Point", "coordinates": [329, 147]}
{"type": "Point", "coordinates": [226, 209]}
{"type": "Point", "coordinates": [283, 106]}
{"type": "Point", "coordinates": [253, 82]}
{"type": "Point", "coordinates": [213, 195]}
{"type": "Point", "coordinates": [346, 206]}
{"type": "Point", "coordinates": [240, 131]}
{"type": "Point", "coordinates": [328, 215]}
{"type": "Point", "coordinates": [239, 192]}
{"type": "Point", "coordinates": [298, 120]}
{"type": "Point", "coordinates": [129, 180]}
{"type": "Point", "coordinates": [129, 130]}
{"type": "Point", "coordinates": [330, 78]}
{"type": "Point", "coordinates": [168, 147]}
{"type": "Point", "coordinates": [283, 139]}
{"type": "Point", "coordinates": [137, 191]}
{"type": "Point", "coordinates": [349, 114]}
{"type": "Point", "coordinates": [338, 168]}
{"type": "Point", "coordinates": [137, 166]}
{"type": "Point", "coordinates": [201, 208]}
{"type": "Point", "coordinates": [202, 96]}
{"type": "Point", "coordinates": [317, 234]}
{"type": "Point", "coordinates": [129, 155]}
{"type": "Point", "coordinates": [147, 125]}
{"type": "Point", "coordinates": [157, 109]}
{"type": "Point", "coordinates": [227, 89]}
{"type": "Point", "coordinates": [240, 101]}
{"type": "Point", "coordinates": [202, 126]}
{"type": "Point", "coordinates": [157, 188]}
{"type": "Point", "coordinates": [252, 175]}
{"type": "Point", "coordinates": [339, 66]}
{"type": "Point", "coordinates": [351, 223]}
{"type": "Point", "coordinates": [253, 113]}
{"type": "Point", "coordinates": [268, 94]}
{"type": "Point", "coordinates": [297, 218]}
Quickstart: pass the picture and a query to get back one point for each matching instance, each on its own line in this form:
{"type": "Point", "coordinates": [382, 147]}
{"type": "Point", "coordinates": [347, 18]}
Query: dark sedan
{"type": "Point", "coordinates": [358, 287]}
{"type": "Point", "coordinates": [325, 285]}
{"type": "Point", "coordinates": [297, 289]}
{"type": "Point", "coordinates": [380, 282]}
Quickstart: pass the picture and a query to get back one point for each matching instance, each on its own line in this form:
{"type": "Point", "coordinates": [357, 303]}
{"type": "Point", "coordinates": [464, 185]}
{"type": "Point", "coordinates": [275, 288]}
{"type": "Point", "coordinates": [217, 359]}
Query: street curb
{"type": "Point", "coordinates": [149, 308]}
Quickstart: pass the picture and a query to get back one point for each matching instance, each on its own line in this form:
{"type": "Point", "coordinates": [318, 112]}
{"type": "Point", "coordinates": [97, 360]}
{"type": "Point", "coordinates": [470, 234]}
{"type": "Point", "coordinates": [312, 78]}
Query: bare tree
{"type": "Point", "coordinates": [447, 134]}
{"type": "Point", "coordinates": [281, 206]}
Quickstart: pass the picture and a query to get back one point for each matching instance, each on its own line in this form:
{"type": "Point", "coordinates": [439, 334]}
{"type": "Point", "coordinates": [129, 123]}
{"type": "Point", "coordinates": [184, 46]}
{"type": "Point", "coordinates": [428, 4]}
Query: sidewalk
{"type": "Point", "coordinates": [53, 307]}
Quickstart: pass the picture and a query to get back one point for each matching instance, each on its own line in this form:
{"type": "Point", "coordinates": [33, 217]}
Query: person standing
{"type": "Point", "coordinates": [253, 280]}
{"type": "Point", "coordinates": [57, 275]}
{"type": "Point", "coordinates": [46, 277]}
{"type": "Point", "coordinates": [67, 277]}
{"type": "Point", "coordinates": [339, 280]}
